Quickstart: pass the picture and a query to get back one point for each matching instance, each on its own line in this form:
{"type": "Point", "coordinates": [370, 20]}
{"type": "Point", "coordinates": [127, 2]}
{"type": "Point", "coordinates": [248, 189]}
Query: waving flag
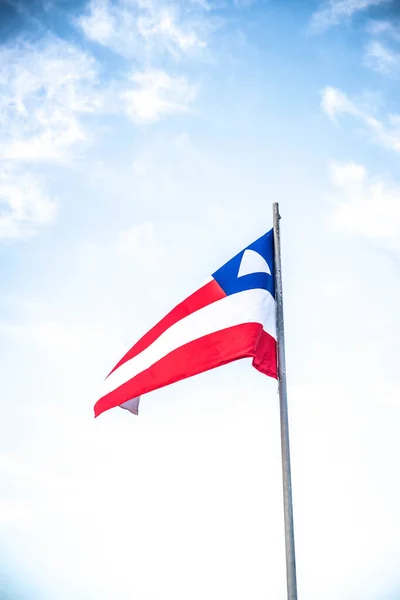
{"type": "Point", "coordinates": [232, 316]}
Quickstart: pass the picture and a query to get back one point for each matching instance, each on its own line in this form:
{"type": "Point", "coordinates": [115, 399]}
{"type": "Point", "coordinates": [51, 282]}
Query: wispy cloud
{"type": "Point", "coordinates": [364, 205]}
{"type": "Point", "coordinates": [383, 51]}
{"type": "Point", "coordinates": [24, 204]}
{"type": "Point", "coordinates": [135, 29]}
{"type": "Point", "coordinates": [50, 88]}
{"type": "Point", "coordinates": [382, 59]}
{"type": "Point", "coordinates": [336, 103]}
{"type": "Point", "coordinates": [45, 88]}
{"type": "Point", "coordinates": [156, 94]}
{"type": "Point", "coordinates": [335, 12]}
{"type": "Point", "coordinates": [384, 28]}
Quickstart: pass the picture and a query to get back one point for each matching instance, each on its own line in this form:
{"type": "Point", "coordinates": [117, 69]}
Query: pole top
{"type": "Point", "coordinates": [275, 208]}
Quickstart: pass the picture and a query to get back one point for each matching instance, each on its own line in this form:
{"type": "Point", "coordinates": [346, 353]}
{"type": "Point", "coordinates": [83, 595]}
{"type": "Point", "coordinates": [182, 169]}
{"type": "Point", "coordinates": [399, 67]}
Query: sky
{"type": "Point", "coordinates": [142, 144]}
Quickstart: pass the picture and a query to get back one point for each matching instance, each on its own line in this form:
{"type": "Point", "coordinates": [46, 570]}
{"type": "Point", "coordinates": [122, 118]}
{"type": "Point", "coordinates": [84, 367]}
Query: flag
{"type": "Point", "coordinates": [231, 316]}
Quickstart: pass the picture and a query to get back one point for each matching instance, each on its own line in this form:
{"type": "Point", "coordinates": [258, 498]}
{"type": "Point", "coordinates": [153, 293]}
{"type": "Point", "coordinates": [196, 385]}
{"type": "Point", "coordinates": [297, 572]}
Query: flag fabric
{"type": "Point", "coordinates": [232, 316]}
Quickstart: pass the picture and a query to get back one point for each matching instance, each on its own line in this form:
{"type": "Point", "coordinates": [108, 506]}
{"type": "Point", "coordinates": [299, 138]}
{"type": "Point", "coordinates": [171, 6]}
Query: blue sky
{"type": "Point", "coordinates": [142, 144]}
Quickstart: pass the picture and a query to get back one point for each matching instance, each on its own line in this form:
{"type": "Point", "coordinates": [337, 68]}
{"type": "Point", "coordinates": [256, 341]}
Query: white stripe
{"type": "Point", "coordinates": [250, 306]}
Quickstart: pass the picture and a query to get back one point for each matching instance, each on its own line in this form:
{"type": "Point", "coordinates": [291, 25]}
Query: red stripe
{"type": "Point", "coordinates": [209, 293]}
{"type": "Point", "coordinates": [203, 354]}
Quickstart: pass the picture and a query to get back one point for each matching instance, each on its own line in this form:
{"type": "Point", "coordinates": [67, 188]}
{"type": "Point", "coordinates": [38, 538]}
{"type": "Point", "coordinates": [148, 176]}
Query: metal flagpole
{"type": "Point", "coordinates": [286, 475]}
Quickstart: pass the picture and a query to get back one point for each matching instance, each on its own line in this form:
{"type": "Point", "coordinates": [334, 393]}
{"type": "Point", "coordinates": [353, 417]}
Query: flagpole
{"type": "Point", "coordinates": [286, 474]}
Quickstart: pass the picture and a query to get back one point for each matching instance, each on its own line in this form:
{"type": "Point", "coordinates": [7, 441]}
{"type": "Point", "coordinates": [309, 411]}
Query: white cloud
{"type": "Point", "coordinates": [135, 28]}
{"type": "Point", "coordinates": [334, 12]}
{"type": "Point", "coordinates": [45, 90]}
{"type": "Point", "coordinates": [24, 205]}
{"type": "Point", "coordinates": [50, 87]}
{"type": "Point", "coordinates": [45, 87]}
{"type": "Point", "coordinates": [336, 103]}
{"type": "Point", "coordinates": [365, 206]}
{"type": "Point", "coordinates": [382, 59]}
{"type": "Point", "coordinates": [98, 24]}
{"type": "Point", "coordinates": [156, 94]}
{"type": "Point", "coordinates": [383, 28]}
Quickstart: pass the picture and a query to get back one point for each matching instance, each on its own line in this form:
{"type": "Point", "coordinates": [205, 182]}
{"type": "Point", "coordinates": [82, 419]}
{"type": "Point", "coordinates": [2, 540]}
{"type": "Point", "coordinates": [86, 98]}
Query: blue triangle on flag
{"type": "Point", "coordinates": [232, 282]}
